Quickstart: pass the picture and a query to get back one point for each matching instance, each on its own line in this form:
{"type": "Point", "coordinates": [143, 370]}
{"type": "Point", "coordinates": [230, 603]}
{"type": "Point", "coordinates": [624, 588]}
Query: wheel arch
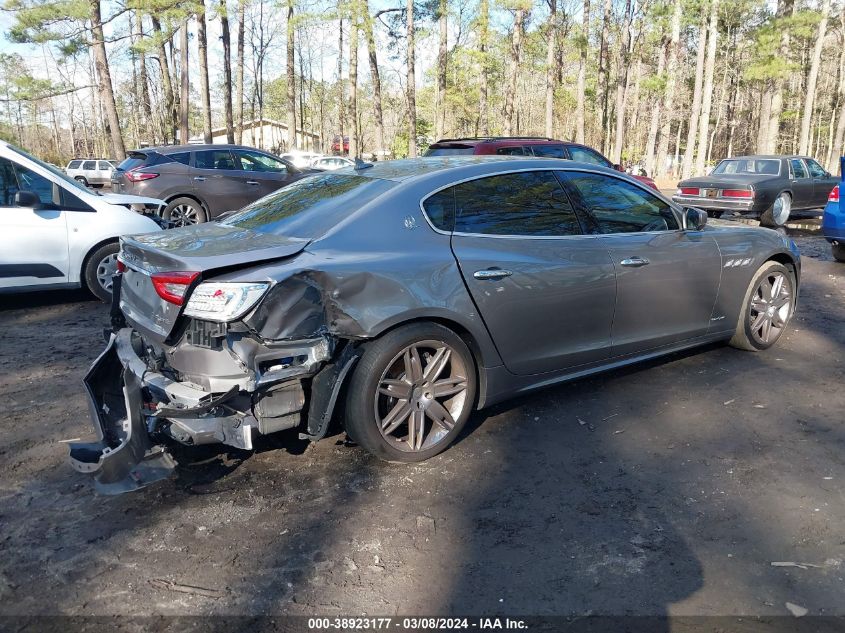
{"type": "Point", "coordinates": [191, 196]}
{"type": "Point", "coordinates": [89, 253]}
{"type": "Point", "coordinates": [788, 260]}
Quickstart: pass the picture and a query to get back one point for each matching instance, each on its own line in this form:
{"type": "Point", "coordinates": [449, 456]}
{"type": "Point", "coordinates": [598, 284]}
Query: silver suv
{"type": "Point", "coordinates": [91, 172]}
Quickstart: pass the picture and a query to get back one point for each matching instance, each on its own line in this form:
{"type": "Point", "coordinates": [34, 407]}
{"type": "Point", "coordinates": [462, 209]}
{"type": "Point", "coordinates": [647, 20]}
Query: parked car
{"type": "Point", "coordinates": [201, 182]}
{"type": "Point", "coordinates": [833, 220]}
{"type": "Point", "coordinates": [91, 172]}
{"type": "Point", "coordinates": [330, 163]}
{"type": "Point", "coordinates": [302, 160]}
{"type": "Point", "coordinates": [526, 146]}
{"type": "Point", "coordinates": [56, 233]}
{"type": "Point", "coordinates": [767, 187]}
{"type": "Point", "coordinates": [387, 292]}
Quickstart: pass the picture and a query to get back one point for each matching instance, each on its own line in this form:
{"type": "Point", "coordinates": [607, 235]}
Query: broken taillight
{"type": "Point", "coordinates": [172, 287]}
{"type": "Point", "coordinates": [834, 195]}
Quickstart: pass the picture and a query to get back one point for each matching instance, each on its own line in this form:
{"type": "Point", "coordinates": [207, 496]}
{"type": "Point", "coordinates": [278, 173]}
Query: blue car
{"type": "Point", "coordinates": [833, 220]}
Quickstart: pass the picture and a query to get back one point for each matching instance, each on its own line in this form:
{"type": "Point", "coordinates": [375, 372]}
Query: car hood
{"type": "Point", "coordinates": [124, 199]}
{"type": "Point", "coordinates": [720, 180]}
{"type": "Point", "coordinates": [205, 248]}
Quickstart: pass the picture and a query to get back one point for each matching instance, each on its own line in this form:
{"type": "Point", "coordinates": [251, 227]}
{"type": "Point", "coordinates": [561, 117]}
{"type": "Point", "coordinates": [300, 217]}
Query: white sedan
{"type": "Point", "coordinates": [330, 163]}
{"type": "Point", "coordinates": [56, 233]}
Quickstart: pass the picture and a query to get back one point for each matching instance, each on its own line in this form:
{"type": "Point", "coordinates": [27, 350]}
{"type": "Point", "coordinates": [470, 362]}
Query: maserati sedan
{"type": "Point", "coordinates": [768, 187]}
{"type": "Point", "coordinates": [394, 299]}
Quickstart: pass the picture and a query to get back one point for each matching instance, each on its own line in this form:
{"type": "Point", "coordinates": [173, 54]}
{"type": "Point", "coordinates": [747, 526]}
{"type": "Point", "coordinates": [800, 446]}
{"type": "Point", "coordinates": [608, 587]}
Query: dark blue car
{"type": "Point", "coordinates": [833, 220]}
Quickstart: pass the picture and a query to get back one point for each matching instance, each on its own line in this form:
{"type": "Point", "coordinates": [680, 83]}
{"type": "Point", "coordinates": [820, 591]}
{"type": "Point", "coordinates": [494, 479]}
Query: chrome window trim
{"type": "Point", "coordinates": [659, 195]}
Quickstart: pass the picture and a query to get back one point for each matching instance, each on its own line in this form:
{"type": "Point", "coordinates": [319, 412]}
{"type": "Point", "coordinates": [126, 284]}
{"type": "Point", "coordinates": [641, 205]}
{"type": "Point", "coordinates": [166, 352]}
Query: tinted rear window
{"type": "Point", "coordinates": [449, 150]}
{"type": "Point", "coordinates": [549, 151]}
{"type": "Point", "coordinates": [134, 160]}
{"type": "Point", "coordinates": [309, 207]}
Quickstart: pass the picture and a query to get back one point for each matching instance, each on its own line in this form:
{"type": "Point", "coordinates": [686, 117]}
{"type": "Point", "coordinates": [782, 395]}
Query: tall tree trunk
{"type": "Point", "coordinates": [239, 74]}
{"type": "Point", "coordinates": [764, 118]}
{"type": "Point", "coordinates": [483, 43]}
{"type": "Point", "coordinates": [354, 149]}
{"type": "Point", "coordinates": [143, 75]}
{"type": "Point", "coordinates": [442, 50]}
{"type": "Point", "coordinates": [227, 71]}
{"type": "Point", "coordinates": [551, 69]}
{"type": "Point", "coordinates": [707, 102]}
{"type": "Point", "coordinates": [291, 79]}
{"type": "Point", "coordinates": [621, 77]}
{"type": "Point", "coordinates": [104, 87]}
{"type": "Point", "coordinates": [656, 111]}
{"type": "Point", "coordinates": [412, 82]}
{"type": "Point", "coordinates": [582, 74]}
{"type": "Point", "coordinates": [669, 114]}
{"type": "Point", "coordinates": [603, 73]}
{"type": "Point", "coordinates": [184, 84]}
{"type": "Point", "coordinates": [839, 136]}
{"type": "Point", "coordinates": [812, 78]}
{"type": "Point", "coordinates": [169, 116]}
{"type": "Point", "coordinates": [205, 94]}
{"type": "Point", "coordinates": [513, 71]}
{"type": "Point", "coordinates": [375, 78]}
{"type": "Point", "coordinates": [692, 130]}
{"type": "Point", "coordinates": [341, 102]}
{"type": "Point", "coordinates": [785, 9]}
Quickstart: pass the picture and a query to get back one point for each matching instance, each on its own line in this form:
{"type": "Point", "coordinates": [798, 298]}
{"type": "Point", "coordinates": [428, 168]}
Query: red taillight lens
{"type": "Point", "coordinates": [689, 191]}
{"type": "Point", "coordinates": [172, 287]}
{"type": "Point", "coordinates": [834, 195]}
{"type": "Point", "coordinates": [737, 193]}
{"type": "Point", "coordinates": [121, 267]}
{"type": "Point", "coordinates": [138, 176]}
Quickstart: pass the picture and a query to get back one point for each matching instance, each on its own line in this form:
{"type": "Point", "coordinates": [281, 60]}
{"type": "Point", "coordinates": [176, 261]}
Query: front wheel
{"type": "Point", "coordinates": [838, 252]}
{"type": "Point", "coordinates": [778, 214]}
{"type": "Point", "coordinates": [768, 306]}
{"type": "Point", "coordinates": [100, 266]}
{"type": "Point", "coordinates": [411, 393]}
{"type": "Point", "coordinates": [185, 212]}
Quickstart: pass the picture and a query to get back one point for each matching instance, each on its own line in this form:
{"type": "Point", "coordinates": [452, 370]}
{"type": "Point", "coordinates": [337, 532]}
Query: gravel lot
{"type": "Point", "coordinates": [706, 483]}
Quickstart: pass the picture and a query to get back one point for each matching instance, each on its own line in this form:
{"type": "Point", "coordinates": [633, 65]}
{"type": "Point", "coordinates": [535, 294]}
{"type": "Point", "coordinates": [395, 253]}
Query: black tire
{"type": "Point", "coordinates": [746, 337]}
{"type": "Point", "coordinates": [838, 252]}
{"type": "Point", "coordinates": [714, 214]}
{"type": "Point", "coordinates": [379, 357]}
{"type": "Point", "coordinates": [771, 217]}
{"type": "Point", "coordinates": [185, 212]}
{"type": "Point", "coordinates": [96, 270]}
{"type": "Point", "coordinates": [82, 180]}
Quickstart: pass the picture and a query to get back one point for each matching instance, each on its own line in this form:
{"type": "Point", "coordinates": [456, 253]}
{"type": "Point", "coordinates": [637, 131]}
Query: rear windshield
{"type": "Point", "coordinates": [309, 207]}
{"type": "Point", "coordinates": [135, 159]}
{"type": "Point", "coordinates": [453, 150]}
{"type": "Point", "coordinates": [770, 166]}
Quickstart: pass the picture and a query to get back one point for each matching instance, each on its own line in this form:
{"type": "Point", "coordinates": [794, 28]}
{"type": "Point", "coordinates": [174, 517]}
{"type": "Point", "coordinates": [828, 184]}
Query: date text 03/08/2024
{"type": "Point", "coordinates": [415, 624]}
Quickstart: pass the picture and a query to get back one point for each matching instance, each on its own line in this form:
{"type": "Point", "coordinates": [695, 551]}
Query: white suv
{"type": "Point", "coordinates": [56, 233]}
{"type": "Point", "coordinates": [91, 173]}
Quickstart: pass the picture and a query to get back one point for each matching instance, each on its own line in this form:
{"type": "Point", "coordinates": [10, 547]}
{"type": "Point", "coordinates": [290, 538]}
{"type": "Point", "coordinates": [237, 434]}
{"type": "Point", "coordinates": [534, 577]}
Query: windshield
{"type": "Point", "coordinates": [309, 207]}
{"type": "Point", "coordinates": [768, 166]}
{"type": "Point", "coordinates": [53, 170]}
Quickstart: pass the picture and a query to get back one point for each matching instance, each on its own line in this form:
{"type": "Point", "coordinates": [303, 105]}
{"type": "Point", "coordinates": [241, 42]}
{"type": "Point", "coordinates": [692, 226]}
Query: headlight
{"type": "Point", "coordinates": [223, 301]}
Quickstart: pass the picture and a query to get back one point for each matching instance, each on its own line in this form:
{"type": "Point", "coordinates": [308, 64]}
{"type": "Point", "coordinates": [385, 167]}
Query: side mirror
{"type": "Point", "coordinates": [27, 199]}
{"type": "Point", "coordinates": [618, 167]}
{"type": "Point", "coordinates": [694, 219]}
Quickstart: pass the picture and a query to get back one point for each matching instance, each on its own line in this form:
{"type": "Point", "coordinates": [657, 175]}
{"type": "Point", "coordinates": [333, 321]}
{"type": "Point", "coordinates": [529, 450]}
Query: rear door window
{"type": "Point", "coordinates": [89, 164]}
{"type": "Point", "coordinates": [514, 151]}
{"type": "Point", "coordinates": [525, 203]}
{"type": "Point", "coordinates": [585, 155]}
{"type": "Point", "coordinates": [619, 206]}
{"type": "Point", "coordinates": [180, 157]}
{"type": "Point", "coordinates": [549, 151]}
{"type": "Point", "coordinates": [214, 159]}
{"type": "Point", "coordinates": [798, 168]}
{"type": "Point", "coordinates": [103, 165]}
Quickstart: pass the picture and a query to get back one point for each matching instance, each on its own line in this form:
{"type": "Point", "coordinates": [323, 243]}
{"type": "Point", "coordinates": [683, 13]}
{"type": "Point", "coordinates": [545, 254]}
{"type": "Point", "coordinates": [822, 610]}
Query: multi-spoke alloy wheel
{"type": "Point", "coordinates": [420, 395]}
{"type": "Point", "coordinates": [99, 268]}
{"type": "Point", "coordinates": [769, 304]}
{"type": "Point", "coordinates": [184, 212]}
{"type": "Point", "coordinates": [106, 270]}
{"type": "Point", "coordinates": [411, 392]}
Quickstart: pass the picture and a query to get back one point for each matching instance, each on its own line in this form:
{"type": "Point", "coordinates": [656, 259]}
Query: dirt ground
{"type": "Point", "coordinates": [705, 483]}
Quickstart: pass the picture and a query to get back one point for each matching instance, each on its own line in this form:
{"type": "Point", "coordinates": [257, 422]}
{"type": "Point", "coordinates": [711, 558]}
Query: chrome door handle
{"type": "Point", "coordinates": [492, 273]}
{"type": "Point", "coordinates": [199, 178]}
{"type": "Point", "coordinates": [635, 262]}
{"type": "Point", "coordinates": [252, 182]}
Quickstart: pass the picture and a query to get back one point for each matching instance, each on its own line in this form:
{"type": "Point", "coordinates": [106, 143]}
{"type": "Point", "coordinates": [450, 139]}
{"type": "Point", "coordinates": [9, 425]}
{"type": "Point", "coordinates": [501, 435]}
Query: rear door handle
{"type": "Point", "coordinates": [252, 182]}
{"type": "Point", "coordinates": [492, 274]}
{"type": "Point", "coordinates": [199, 178]}
{"type": "Point", "coordinates": [635, 262]}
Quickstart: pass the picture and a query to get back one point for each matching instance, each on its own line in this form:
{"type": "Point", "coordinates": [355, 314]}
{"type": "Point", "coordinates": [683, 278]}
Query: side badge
{"type": "Point", "coordinates": [410, 222]}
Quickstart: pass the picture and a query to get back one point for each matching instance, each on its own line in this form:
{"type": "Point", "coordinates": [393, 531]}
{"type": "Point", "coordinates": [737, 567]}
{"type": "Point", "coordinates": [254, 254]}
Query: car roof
{"type": "Point", "coordinates": [766, 156]}
{"type": "Point", "coordinates": [499, 140]}
{"type": "Point", "coordinates": [171, 149]}
{"type": "Point", "coordinates": [407, 169]}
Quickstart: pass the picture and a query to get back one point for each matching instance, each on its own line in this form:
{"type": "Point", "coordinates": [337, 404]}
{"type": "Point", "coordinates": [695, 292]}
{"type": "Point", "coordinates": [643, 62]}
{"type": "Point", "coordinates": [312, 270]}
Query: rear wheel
{"type": "Point", "coordinates": [411, 393]}
{"type": "Point", "coordinates": [768, 306]}
{"type": "Point", "coordinates": [838, 252]}
{"type": "Point", "coordinates": [99, 268]}
{"type": "Point", "coordinates": [778, 214]}
{"type": "Point", "coordinates": [184, 212]}
{"type": "Point", "coordinates": [82, 180]}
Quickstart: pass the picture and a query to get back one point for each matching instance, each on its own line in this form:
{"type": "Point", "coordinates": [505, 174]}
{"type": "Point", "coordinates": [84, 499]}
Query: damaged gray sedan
{"type": "Point", "coordinates": [398, 298]}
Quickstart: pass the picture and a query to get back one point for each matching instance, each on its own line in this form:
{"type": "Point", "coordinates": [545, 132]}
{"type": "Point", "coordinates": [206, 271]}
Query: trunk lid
{"type": "Point", "coordinates": [205, 248]}
{"type": "Point", "coordinates": [725, 181]}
